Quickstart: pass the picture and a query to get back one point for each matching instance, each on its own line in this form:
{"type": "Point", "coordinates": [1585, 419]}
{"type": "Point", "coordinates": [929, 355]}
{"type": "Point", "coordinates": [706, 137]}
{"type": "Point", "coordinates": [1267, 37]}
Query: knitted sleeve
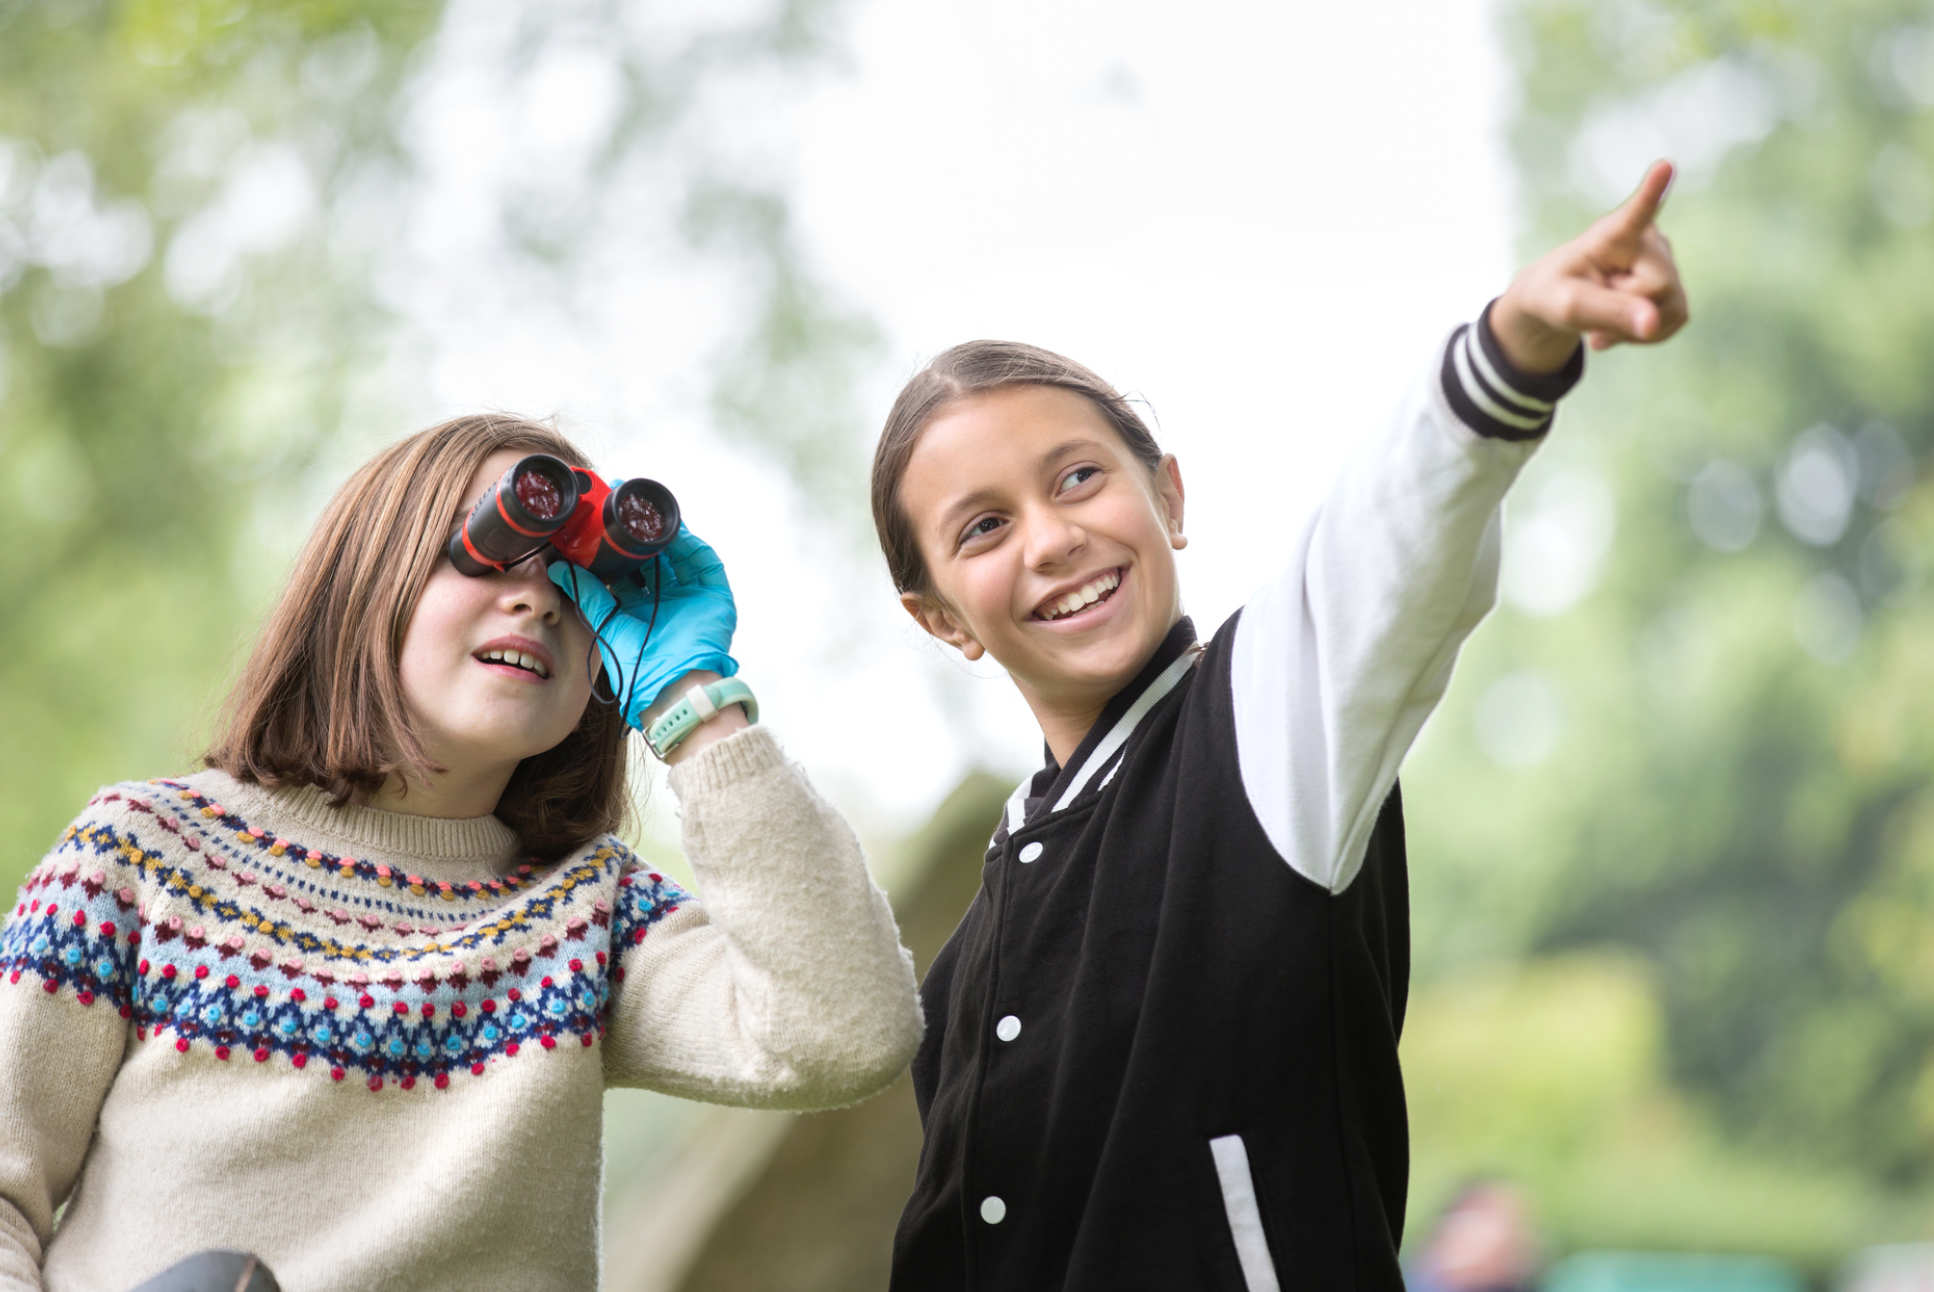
{"type": "Point", "coordinates": [788, 987]}
{"type": "Point", "coordinates": [66, 983]}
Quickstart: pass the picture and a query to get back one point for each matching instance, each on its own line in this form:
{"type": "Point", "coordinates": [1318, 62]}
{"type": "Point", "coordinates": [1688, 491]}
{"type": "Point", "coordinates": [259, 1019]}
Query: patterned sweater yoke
{"type": "Point", "coordinates": [372, 1047]}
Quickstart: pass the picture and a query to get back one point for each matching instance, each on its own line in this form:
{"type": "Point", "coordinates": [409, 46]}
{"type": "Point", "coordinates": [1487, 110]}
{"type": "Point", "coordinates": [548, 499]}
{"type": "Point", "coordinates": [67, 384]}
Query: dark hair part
{"type": "Point", "coordinates": [320, 701]}
{"type": "Point", "coordinates": [973, 368]}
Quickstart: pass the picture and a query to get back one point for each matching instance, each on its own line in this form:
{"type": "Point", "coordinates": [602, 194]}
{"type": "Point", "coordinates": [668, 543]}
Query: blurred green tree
{"type": "Point", "coordinates": [176, 330]}
{"type": "Point", "coordinates": [1702, 724]}
{"type": "Point", "coordinates": [203, 210]}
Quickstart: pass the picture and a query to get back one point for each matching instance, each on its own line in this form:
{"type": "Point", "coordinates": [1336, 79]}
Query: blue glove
{"type": "Point", "coordinates": [693, 630]}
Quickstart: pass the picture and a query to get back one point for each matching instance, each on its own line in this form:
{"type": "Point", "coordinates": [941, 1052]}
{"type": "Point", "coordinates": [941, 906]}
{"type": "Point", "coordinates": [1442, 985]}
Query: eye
{"type": "Point", "coordinates": [979, 529]}
{"type": "Point", "coordinates": [1076, 477]}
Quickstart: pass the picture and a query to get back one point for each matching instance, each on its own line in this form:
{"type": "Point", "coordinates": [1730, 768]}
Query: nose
{"type": "Point", "coordinates": [1053, 538]}
{"type": "Point", "coordinates": [526, 588]}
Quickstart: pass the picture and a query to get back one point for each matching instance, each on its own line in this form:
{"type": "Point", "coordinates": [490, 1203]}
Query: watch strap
{"type": "Point", "coordinates": [697, 706]}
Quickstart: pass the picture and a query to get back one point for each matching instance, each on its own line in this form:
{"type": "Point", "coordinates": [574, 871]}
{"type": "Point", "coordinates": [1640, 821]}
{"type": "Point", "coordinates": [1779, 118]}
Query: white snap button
{"type": "Point", "coordinates": [993, 1210]}
{"type": "Point", "coordinates": [1032, 851]}
{"type": "Point", "coordinates": [1008, 1028]}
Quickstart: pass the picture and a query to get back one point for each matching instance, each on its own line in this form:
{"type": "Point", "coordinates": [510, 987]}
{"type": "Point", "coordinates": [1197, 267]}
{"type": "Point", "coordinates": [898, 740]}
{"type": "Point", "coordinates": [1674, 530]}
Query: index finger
{"type": "Point", "coordinates": [1640, 209]}
{"type": "Point", "coordinates": [692, 559]}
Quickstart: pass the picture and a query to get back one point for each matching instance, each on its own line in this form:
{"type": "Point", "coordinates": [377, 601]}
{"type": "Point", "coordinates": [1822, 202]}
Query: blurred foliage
{"type": "Point", "coordinates": [145, 332]}
{"type": "Point", "coordinates": [206, 221]}
{"type": "Point", "coordinates": [1554, 1074]}
{"type": "Point", "coordinates": [1701, 727]}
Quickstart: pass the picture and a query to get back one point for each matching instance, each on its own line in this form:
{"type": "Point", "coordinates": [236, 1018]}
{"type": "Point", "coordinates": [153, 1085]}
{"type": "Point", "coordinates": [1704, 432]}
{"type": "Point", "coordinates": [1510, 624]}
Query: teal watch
{"type": "Point", "coordinates": [699, 705]}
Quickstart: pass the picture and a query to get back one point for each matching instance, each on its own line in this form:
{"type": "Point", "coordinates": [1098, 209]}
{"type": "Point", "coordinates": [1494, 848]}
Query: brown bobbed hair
{"type": "Point", "coordinates": [974, 368]}
{"type": "Point", "coordinates": [320, 701]}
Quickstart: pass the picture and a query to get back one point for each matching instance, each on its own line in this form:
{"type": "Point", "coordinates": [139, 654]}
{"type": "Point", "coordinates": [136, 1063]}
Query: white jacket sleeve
{"type": "Point", "coordinates": [1338, 662]}
{"type": "Point", "coordinates": [787, 987]}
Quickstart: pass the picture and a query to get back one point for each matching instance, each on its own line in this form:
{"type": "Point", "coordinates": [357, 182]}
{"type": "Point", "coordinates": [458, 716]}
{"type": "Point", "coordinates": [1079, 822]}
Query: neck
{"type": "Point", "coordinates": [450, 794]}
{"type": "Point", "coordinates": [1065, 726]}
{"type": "Point", "coordinates": [1068, 717]}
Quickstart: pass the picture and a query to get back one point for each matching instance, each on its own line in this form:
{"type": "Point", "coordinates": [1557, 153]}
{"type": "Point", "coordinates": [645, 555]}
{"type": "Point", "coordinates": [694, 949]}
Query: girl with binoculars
{"type": "Point", "coordinates": [349, 997]}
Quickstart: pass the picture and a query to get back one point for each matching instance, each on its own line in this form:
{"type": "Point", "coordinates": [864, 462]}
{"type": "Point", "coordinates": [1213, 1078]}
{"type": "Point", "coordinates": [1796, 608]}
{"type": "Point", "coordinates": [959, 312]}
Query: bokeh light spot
{"type": "Point", "coordinates": [1519, 719]}
{"type": "Point", "coordinates": [1816, 486]}
{"type": "Point", "coordinates": [1724, 506]}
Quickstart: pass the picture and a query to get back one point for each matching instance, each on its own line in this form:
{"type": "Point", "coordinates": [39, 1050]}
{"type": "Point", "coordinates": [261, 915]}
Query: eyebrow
{"type": "Point", "coordinates": [1068, 448]}
{"type": "Point", "coordinates": [957, 510]}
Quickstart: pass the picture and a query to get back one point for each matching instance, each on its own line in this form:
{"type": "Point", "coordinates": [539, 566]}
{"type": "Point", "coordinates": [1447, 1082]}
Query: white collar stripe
{"type": "Point", "coordinates": [1125, 726]}
{"type": "Point", "coordinates": [1016, 805]}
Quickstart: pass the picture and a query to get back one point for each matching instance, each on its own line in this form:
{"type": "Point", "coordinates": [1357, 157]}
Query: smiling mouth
{"type": "Point", "coordinates": [1092, 593]}
{"type": "Point", "coordinates": [515, 659]}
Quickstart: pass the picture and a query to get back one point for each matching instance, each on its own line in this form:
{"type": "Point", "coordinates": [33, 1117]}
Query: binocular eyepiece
{"type": "Point", "coordinates": [542, 500]}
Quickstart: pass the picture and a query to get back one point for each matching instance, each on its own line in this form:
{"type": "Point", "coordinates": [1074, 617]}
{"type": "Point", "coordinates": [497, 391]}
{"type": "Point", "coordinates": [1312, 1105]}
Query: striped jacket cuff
{"type": "Point", "coordinates": [1491, 395]}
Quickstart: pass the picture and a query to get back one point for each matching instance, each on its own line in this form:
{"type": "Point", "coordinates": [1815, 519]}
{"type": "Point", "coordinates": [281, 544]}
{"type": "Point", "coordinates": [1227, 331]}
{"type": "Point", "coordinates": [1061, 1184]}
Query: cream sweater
{"type": "Point", "coordinates": [372, 1047]}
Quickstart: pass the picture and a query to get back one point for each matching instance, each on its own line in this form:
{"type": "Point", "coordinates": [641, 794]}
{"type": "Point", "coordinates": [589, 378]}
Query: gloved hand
{"type": "Point", "coordinates": [694, 627]}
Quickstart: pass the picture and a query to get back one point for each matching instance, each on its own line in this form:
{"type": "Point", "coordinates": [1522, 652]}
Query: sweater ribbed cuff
{"type": "Point", "coordinates": [740, 756]}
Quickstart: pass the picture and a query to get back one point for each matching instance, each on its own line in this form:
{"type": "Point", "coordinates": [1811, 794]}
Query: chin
{"type": "Point", "coordinates": [1119, 660]}
{"type": "Point", "coordinates": [1097, 678]}
{"type": "Point", "coordinates": [499, 749]}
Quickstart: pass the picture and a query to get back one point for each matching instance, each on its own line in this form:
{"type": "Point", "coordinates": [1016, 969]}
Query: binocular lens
{"type": "Point", "coordinates": [519, 514]}
{"type": "Point", "coordinates": [537, 491]}
{"type": "Point", "coordinates": [640, 516]}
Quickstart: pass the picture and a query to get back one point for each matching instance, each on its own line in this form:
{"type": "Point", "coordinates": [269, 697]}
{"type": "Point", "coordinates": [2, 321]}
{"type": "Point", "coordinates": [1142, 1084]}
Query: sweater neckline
{"type": "Point", "coordinates": [468, 851]}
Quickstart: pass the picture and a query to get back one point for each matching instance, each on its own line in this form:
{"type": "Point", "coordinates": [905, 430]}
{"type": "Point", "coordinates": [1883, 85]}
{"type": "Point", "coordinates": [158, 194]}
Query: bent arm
{"type": "Point", "coordinates": [788, 987]}
{"type": "Point", "coordinates": [1339, 661]}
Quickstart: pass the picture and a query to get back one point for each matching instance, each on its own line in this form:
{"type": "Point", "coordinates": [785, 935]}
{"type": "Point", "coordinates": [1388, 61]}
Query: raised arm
{"type": "Point", "coordinates": [787, 987]}
{"type": "Point", "coordinates": [1338, 662]}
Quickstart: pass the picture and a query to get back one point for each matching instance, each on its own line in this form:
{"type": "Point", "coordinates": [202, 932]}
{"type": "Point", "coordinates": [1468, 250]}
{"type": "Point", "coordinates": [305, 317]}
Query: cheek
{"type": "Point", "coordinates": [578, 690]}
{"type": "Point", "coordinates": [993, 591]}
{"type": "Point", "coordinates": [578, 656]}
{"type": "Point", "coordinates": [414, 660]}
{"type": "Point", "coordinates": [974, 594]}
{"type": "Point", "coordinates": [1163, 586]}
{"type": "Point", "coordinates": [432, 626]}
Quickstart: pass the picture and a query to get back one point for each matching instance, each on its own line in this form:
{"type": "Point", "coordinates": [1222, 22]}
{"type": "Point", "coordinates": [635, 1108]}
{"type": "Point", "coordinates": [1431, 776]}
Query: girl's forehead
{"type": "Point", "coordinates": [986, 447]}
{"type": "Point", "coordinates": [1011, 423]}
{"type": "Point", "coordinates": [490, 471]}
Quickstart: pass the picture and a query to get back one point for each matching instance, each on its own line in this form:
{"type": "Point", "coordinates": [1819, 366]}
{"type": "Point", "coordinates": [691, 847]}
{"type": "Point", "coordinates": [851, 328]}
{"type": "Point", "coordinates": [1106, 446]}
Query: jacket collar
{"type": "Point", "coordinates": [1054, 787]}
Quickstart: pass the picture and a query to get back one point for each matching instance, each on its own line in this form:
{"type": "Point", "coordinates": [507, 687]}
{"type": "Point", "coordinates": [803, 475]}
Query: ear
{"type": "Point", "coordinates": [1168, 492]}
{"type": "Point", "coordinates": [938, 621]}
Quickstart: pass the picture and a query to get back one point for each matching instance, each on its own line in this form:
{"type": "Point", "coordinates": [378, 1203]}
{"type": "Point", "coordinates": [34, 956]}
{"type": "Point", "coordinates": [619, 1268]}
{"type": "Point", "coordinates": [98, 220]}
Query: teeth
{"type": "Point", "coordinates": [1081, 597]}
{"type": "Point", "coordinates": [515, 658]}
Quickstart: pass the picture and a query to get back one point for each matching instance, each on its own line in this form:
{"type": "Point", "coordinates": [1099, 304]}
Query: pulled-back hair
{"type": "Point", "coordinates": [973, 368]}
{"type": "Point", "coordinates": [320, 701]}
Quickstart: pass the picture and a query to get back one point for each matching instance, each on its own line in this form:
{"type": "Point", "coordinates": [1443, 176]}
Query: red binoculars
{"type": "Point", "coordinates": [543, 501]}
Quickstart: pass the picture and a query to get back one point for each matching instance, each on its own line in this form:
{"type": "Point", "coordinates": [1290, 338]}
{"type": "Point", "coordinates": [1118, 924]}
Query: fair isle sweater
{"type": "Point", "coordinates": [372, 1047]}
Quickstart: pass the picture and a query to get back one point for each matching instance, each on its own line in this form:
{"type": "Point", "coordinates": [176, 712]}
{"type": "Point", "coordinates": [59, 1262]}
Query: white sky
{"type": "Point", "coordinates": [1259, 218]}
